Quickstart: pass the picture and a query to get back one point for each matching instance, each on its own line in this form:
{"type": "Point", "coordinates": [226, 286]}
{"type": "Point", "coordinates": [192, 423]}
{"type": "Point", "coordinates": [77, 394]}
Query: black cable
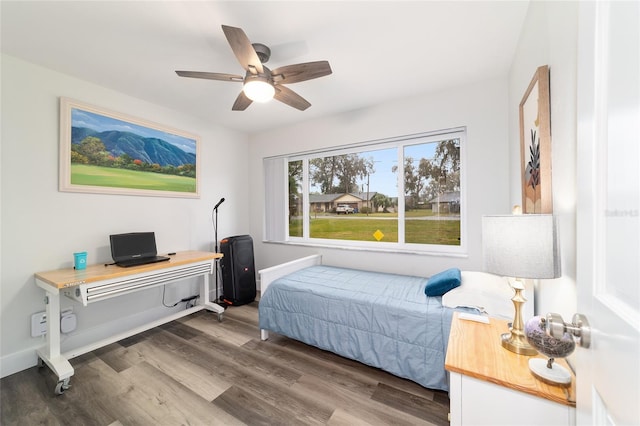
{"type": "Point", "coordinates": [190, 301]}
{"type": "Point", "coordinates": [164, 289]}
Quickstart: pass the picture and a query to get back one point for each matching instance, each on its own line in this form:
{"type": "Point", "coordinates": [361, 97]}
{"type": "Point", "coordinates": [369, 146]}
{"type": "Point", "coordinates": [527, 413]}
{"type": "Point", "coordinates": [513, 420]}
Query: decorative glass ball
{"type": "Point", "coordinates": [547, 345]}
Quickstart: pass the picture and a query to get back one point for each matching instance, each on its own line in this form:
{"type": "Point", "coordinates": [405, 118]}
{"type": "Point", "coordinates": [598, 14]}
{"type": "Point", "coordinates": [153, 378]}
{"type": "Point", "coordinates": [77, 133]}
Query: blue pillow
{"type": "Point", "coordinates": [442, 282]}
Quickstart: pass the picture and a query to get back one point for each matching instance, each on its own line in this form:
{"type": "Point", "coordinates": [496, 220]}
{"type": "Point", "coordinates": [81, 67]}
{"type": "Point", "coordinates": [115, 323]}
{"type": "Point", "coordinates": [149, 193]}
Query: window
{"type": "Point", "coordinates": [400, 194]}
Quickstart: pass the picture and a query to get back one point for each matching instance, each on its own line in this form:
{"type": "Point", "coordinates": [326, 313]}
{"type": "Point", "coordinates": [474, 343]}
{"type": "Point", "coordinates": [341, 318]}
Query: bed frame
{"type": "Point", "coordinates": [269, 275]}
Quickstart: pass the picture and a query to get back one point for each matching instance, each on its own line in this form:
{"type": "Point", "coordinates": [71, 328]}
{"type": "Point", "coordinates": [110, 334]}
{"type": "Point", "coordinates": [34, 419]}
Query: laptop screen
{"type": "Point", "coordinates": [133, 245]}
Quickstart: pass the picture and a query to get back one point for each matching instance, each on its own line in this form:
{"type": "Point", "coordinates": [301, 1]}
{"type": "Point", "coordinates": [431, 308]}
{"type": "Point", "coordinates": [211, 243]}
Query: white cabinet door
{"type": "Point", "coordinates": [477, 402]}
{"type": "Point", "coordinates": [608, 212]}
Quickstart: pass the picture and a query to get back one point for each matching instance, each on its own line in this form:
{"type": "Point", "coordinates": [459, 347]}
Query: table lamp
{"type": "Point", "coordinates": [520, 246]}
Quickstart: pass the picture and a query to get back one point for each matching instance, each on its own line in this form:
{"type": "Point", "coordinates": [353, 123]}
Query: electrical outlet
{"type": "Point", "coordinates": [68, 321]}
{"type": "Point", "coordinates": [39, 322]}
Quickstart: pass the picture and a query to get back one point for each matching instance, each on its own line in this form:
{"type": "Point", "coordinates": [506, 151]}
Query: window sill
{"type": "Point", "coordinates": [328, 245]}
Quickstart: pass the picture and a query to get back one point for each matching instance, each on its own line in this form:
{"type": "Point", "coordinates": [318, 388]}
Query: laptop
{"type": "Point", "coordinates": [135, 248]}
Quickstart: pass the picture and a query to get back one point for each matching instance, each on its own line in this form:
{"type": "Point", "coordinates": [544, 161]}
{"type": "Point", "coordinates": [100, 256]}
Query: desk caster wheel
{"type": "Point", "coordinates": [62, 386]}
{"type": "Point", "coordinates": [220, 316]}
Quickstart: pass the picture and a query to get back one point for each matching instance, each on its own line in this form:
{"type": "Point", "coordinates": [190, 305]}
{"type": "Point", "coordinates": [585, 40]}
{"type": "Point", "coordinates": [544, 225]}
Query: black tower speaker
{"type": "Point", "coordinates": [238, 270]}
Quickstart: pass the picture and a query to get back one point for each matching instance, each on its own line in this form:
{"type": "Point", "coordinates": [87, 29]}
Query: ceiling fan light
{"type": "Point", "coordinates": [259, 90]}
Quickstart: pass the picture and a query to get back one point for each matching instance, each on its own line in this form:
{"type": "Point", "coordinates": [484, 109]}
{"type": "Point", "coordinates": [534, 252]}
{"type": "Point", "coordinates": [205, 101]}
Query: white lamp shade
{"type": "Point", "coordinates": [521, 246]}
{"type": "Point", "coordinates": [258, 90]}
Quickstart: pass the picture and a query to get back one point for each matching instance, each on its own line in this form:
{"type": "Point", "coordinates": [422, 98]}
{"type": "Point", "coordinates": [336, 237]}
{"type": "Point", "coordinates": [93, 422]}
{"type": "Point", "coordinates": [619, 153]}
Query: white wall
{"type": "Point", "coordinates": [42, 227]}
{"type": "Point", "coordinates": [482, 107]}
{"type": "Point", "coordinates": [549, 37]}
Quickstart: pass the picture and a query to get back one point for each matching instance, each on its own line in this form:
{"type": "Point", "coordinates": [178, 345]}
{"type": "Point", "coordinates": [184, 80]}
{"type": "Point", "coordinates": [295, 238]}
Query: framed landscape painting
{"type": "Point", "coordinates": [106, 152]}
{"type": "Point", "coordinates": [535, 145]}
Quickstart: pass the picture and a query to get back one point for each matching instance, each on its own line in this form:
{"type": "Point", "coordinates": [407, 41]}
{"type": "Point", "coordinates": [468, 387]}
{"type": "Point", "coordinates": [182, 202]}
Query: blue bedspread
{"type": "Point", "coordinates": [382, 320]}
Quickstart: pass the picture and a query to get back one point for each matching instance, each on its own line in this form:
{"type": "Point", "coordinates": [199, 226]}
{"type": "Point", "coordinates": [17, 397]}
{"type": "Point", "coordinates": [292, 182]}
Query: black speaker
{"type": "Point", "coordinates": [238, 270]}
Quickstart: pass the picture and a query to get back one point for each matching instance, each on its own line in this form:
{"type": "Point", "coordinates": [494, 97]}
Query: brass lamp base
{"type": "Point", "coordinates": [517, 345]}
{"type": "Point", "coordinates": [516, 341]}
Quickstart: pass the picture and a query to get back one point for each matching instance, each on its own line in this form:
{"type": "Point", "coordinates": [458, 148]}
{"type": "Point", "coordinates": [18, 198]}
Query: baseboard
{"type": "Point", "coordinates": [18, 361]}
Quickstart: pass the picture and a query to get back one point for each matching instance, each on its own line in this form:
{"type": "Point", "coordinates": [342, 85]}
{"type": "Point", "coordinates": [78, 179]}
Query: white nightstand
{"type": "Point", "coordinates": [493, 386]}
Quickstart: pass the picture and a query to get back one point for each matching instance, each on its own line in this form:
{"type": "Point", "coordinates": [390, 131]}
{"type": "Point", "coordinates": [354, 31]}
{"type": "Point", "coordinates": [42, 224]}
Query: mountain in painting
{"type": "Point", "coordinates": [148, 150]}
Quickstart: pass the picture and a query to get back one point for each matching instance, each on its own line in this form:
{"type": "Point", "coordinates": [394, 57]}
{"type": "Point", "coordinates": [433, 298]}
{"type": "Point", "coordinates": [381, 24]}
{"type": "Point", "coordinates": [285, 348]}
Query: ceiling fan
{"type": "Point", "coordinates": [260, 84]}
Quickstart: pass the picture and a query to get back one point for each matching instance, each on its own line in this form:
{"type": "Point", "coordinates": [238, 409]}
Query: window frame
{"type": "Point", "coordinates": [399, 143]}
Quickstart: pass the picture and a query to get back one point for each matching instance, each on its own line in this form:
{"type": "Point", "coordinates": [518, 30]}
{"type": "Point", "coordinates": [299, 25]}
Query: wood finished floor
{"type": "Point", "coordinates": [197, 371]}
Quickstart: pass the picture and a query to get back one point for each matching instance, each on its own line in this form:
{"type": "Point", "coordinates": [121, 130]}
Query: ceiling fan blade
{"type": "Point", "coordinates": [242, 48]}
{"type": "Point", "coordinates": [291, 98]}
{"type": "Point", "coordinates": [210, 75]}
{"type": "Point", "coordinates": [241, 103]}
{"type": "Point", "coordinates": [300, 72]}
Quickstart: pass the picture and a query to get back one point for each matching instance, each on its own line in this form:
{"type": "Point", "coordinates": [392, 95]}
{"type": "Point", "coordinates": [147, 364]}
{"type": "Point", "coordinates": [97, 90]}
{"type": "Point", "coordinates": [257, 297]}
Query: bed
{"type": "Point", "coordinates": [380, 319]}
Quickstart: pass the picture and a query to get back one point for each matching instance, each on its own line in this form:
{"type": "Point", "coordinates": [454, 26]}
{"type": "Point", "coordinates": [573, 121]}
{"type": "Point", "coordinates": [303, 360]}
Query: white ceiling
{"type": "Point", "coordinates": [379, 51]}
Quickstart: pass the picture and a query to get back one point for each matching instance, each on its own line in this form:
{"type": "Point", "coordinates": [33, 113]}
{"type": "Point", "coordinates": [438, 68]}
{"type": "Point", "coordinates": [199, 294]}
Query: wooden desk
{"type": "Point", "coordinates": [100, 282]}
{"type": "Point", "coordinates": [491, 385]}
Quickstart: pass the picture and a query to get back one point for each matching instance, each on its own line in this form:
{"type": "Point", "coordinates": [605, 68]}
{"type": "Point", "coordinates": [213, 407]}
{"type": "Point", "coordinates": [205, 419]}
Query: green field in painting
{"type": "Point", "coordinates": [83, 174]}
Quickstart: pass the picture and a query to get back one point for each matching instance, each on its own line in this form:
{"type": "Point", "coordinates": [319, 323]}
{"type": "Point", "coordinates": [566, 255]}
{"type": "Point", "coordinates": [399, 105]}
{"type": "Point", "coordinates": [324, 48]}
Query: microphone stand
{"type": "Point", "coordinates": [215, 235]}
{"type": "Point", "coordinates": [214, 306]}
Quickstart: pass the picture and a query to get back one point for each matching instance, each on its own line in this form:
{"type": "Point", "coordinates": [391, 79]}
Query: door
{"type": "Point", "coordinates": [608, 212]}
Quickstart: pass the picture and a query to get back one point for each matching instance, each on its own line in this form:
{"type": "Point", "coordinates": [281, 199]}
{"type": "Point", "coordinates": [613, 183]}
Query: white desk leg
{"type": "Point", "coordinates": [214, 307]}
{"type": "Point", "coordinates": [51, 353]}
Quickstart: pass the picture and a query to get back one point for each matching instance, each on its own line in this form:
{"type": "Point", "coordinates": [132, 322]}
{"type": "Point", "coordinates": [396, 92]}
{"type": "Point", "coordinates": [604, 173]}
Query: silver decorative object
{"type": "Point", "coordinates": [551, 347]}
